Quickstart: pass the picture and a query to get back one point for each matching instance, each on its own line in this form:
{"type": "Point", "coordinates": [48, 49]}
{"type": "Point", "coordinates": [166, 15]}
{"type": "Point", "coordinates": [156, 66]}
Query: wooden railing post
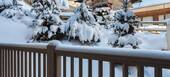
{"type": "Point", "coordinates": [51, 71]}
{"type": "Point", "coordinates": [168, 35]}
{"type": "Point", "coordinates": [0, 61]}
{"type": "Point", "coordinates": [58, 70]}
{"type": "Point", "coordinates": [53, 62]}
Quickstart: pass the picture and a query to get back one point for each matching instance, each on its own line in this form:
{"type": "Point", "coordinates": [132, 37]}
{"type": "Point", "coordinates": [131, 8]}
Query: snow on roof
{"type": "Point", "coordinates": [145, 3]}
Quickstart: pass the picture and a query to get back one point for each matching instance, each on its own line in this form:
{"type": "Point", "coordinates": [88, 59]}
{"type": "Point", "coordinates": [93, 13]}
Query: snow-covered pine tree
{"type": "Point", "coordinates": [4, 4]}
{"type": "Point", "coordinates": [124, 28]}
{"type": "Point", "coordinates": [103, 13]}
{"type": "Point", "coordinates": [82, 26]}
{"type": "Point", "coordinates": [47, 21]}
{"type": "Point", "coordinates": [13, 10]}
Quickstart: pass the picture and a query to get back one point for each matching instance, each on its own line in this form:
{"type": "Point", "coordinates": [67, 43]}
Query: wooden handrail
{"type": "Point", "coordinates": [153, 22]}
{"type": "Point", "coordinates": [155, 54]}
{"type": "Point", "coordinates": [25, 45]}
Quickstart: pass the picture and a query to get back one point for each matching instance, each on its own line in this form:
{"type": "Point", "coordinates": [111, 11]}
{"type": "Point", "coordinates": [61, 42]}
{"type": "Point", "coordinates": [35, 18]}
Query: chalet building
{"type": "Point", "coordinates": [155, 12]}
{"type": "Point", "coordinates": [115, 4]}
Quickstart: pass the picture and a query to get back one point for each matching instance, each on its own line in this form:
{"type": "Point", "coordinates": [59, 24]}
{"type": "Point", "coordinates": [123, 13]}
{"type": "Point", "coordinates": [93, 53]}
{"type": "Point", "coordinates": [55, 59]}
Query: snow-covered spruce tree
{"type": "Point", "coordinates": [47, 21]}
{"type": "Point", "coordinates": [124, 28]}
{"type": "Point", "coordinates": [14, 11]}
{"type": "Point", "coordinates": [103, 14]}
{"type": "Point", "coordinates": [4, 4]}
{"type": "Point", "coordinates": [82, 26]}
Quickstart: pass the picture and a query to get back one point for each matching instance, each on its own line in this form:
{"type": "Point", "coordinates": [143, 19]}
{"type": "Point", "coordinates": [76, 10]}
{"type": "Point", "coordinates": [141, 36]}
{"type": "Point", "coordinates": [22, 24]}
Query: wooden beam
{"type": "Point", "coordinates": [153, 12]}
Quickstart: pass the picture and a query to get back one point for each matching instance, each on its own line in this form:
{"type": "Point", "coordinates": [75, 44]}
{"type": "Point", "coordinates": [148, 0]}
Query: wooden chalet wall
{"type": "Point", "coordinates": [29, 1]}
{"type": "Point", "coordinates": [157, 12]}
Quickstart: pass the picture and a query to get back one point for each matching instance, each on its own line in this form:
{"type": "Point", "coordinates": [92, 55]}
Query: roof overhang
{"type": "Point", "coordinates": [153, 10]}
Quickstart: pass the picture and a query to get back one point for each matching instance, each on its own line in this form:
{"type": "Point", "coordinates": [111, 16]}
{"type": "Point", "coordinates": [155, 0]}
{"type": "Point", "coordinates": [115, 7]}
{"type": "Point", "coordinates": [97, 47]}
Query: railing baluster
{"type": "Point", "coordinates": [18, 64]}
{"type": "Point", "coordinates": [158, 71]}
{"type": "Point", "coordinates": [15, 71]}
{"type": "Point", "coordinates": [2, 62]}
{"type": "Point", "coordinates": [90, 67]}
{"type": "Point", "coordinates": [125, 70]}
{"type": "Point", "coordinates": [39, 64]}
{"type": "Point", "coordinates": [8, 63]}
{"type": "Point", "coordinates": [112, 69]}
{"type": "Point", "coordinates": [140, 70]}
{"type": "Point", "coordinates": [12, 61]}
{"type": "Point", "coordinates": [34, 64]}
{"type": "Point", "coordinates": [25, 64]}
{"type": "Point", "coordinates": [72, 66]}
{"type": "Point", "coordinates": [44, 64]}
{"type": "Point", "coordinates": [3, 57]}
{"type": "Point", "coordinates": [58, 66]}
{"type": "Point", "coordinates": [64, 66]}
{"type": "Point", "coordinates": [100, 69]}
{"type": "Point", "coordinates": [30, 64]}
{"type": "Point", "coordinates": [22, 64]}
{"type": "Point", "coordinates": [80, 67]}
{"type": "Point", "coordinates": [5, 63]}
{"type": "Point", "coordinates": [7, 57]}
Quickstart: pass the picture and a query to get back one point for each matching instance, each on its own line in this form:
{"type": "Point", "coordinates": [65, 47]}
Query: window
{"type": "Point", "coordinates": [161, 17]}
{"type": "Point", "coordinates": [150, 18]}
{"type": "Point", "coordinates": [167, 16]}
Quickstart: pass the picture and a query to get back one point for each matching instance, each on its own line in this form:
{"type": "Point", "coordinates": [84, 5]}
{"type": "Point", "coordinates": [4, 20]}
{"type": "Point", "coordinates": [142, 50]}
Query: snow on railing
{"type": "Point", "coordinates": [25, 45]}
{"type": "Point", "coordinates": [157, 54]}
{"type": "Point", "coordinates": [51, 60]}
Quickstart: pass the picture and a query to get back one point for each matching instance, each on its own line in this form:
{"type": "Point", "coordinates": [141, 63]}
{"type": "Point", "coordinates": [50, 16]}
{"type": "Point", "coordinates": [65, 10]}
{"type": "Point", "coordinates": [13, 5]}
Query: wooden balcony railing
{"type": "Point", "coordinates": [20, 60]}
{"type": "Point", "coordinates": [152, 26]}
{"type": "Point", "coordinates": [167, 29]}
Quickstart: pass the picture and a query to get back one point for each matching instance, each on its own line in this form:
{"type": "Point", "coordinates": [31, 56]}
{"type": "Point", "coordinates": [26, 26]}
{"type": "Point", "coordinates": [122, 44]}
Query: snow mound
{"type": "Point", "coordinates": [13, 32]}
{"type": "Point", "coordinates": [152, 41]}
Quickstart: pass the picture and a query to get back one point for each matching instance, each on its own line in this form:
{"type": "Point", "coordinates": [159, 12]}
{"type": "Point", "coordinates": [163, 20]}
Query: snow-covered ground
{"type": "Point", "coordinates": [13, 31]}
{"type": "Point", "coordinates": [17, 32]}
{"type": "Point", "coordinates": [152, 41]}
